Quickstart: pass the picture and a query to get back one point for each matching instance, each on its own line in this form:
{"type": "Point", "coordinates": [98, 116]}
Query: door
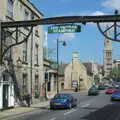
{"type": "Point", "coordinates": [5, 96]}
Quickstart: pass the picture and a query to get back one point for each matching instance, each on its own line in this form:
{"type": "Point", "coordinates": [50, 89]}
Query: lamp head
{"type": "Point", "coordinates": [64, 43]}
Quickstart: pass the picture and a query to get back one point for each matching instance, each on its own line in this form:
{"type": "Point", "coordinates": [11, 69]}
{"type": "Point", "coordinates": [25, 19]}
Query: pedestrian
{"type": "Point", "coordinates": [28, 99]}
{"type": "Point", "coordinates": [76, 89]}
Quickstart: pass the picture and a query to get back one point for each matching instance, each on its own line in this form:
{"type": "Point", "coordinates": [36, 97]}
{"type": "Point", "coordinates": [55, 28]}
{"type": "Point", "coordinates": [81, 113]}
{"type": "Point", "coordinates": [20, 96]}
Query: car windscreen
{"type": "Point", "coordinates": [117, 91]}
{"type": "Point", "coordinates": [61, 96]}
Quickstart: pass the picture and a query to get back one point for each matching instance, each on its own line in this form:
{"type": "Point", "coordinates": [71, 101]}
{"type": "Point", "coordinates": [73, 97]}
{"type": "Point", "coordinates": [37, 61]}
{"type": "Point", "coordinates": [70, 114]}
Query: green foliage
{"type": "Point", "coordinates": [37, 92]}
{"type": "Point", "coordinates": [96, 78]}
{"type": "Point", "coordinates": [114, 74]}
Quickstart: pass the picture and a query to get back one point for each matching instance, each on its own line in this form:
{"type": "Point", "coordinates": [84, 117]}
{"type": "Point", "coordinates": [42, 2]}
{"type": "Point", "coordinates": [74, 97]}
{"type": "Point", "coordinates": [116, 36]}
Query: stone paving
{"type": "Point", "coordinates": [20, 110]}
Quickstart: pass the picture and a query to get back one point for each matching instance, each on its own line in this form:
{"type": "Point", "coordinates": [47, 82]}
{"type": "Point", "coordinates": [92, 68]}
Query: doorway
{"type": "Point", "coordinates": [5, 96]}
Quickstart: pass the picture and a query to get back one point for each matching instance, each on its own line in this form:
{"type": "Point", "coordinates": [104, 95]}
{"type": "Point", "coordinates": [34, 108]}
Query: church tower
{"type": "Point", "coordinates": [107, 62]}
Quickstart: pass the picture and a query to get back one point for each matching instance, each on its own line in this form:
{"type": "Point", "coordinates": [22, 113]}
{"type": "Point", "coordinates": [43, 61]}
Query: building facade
{"type": "Point", "coordinates": [93, 70]}
{"type": "Point", "coordinates": [76, 75]}
{"type": "Point", "coordinates": [26, 58]}
{"type": "Point", "coordinates": [116, 63]}
{"type": "Point", "coordinates": [50, 76]}
{"type": "Point", "coordinates": [107, 60]}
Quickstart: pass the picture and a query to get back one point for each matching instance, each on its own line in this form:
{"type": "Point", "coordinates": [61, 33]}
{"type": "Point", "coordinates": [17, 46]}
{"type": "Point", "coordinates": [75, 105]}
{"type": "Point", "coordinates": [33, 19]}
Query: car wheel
{"type": "Point", "coordinates": [75, 104]}
{"type": "Point", "coordinates": [51, 108]}
{"type": "Point", "coordinates": [111, 99]}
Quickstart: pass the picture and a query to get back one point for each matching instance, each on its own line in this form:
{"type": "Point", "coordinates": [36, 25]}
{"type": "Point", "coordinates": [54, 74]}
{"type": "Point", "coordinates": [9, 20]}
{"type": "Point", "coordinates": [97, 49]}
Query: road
{"type": "Point", "coordinates": [88, 108]}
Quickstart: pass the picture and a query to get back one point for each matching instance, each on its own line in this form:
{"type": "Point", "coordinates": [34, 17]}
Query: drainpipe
{"type": "Point", "coordinates": [31, 64]}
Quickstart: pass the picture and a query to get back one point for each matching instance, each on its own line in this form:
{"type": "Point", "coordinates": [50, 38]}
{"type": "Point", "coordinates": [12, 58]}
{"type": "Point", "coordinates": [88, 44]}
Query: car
{"type": "Point", "coordinates": [93, 91]}
{"type": "Point", "coordinates": [101, 87]}
{"type": "Point", "coordinates": [115, 95]}
{"type": "Point", "coordinates": [63, 100]}
{"type": "Point", "coordinates": [110, 90]}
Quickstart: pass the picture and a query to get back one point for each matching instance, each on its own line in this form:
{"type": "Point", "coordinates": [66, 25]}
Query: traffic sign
{"type": "Point", "coordinates": [64, 28]}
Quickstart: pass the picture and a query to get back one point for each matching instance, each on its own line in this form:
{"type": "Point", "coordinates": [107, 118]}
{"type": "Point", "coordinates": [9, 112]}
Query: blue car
{"type": "Point", "coordinates": [63, 100]}
{"type": "Point", "coordinates": [115, 95]}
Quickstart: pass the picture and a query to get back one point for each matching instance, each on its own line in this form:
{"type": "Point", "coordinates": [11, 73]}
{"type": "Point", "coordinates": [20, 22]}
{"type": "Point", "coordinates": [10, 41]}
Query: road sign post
{"type": "Point", "coordinates": [65, 28]}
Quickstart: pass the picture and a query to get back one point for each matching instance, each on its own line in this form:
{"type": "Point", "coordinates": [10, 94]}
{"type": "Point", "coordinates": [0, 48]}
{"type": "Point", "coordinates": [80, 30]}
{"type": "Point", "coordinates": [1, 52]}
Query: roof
{"type": "Point", "coordinates": [62, 67]}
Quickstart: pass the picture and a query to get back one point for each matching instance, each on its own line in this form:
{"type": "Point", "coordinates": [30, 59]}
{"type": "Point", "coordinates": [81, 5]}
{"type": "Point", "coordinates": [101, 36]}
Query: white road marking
{"type": "Point", "coordinates": [53, 118]}
{"type": "Point", "coordinates": [84, 106]}
{"type": "Point", "coordinates": [73, 110]}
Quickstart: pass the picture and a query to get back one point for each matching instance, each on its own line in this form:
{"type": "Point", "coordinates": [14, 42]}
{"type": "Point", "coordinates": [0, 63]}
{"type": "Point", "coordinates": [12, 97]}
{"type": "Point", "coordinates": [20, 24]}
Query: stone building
{"type": "Point", "coordinates": [107, 60]}
{"type": "Point", "coordinates": [25, 60]}
{"type": "Point", "coordinates": [50, 76]}
{"type": "Point", "coordinates": [94, 69]}
{"type": "Point", "coordinates": [116, 63]}
{"type": "Point", "coordinates": [76, 75]}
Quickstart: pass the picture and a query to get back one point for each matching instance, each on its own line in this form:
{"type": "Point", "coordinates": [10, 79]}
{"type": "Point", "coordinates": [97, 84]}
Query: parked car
{"type": "Point", "coordinates": [115, 95]}
{"type": "Point", "coordinates": [63, 100]}
{"type": "Point", "coordinates": [101, 87]}
{"type": "Point", "coordinates": [93, 91]}
{"type": "Point", "coordinates": [110, 90]}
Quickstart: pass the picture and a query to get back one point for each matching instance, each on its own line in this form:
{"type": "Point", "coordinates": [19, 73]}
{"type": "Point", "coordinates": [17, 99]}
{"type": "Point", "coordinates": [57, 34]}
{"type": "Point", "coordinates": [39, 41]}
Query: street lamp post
{"type": "Point", "coordinates": [64, 44]}
{"type": "Point", "coordinates": [57, 65]}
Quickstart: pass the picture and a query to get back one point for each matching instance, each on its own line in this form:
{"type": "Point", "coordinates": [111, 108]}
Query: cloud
{"type": "Point", "coordinates": [83, 13]}
{"type": "Point", "coordinates": [114, 4]}
{"type": "Point", "coordinates": [68, 36]}
{"type": "Point", "coordinates": [97, 13]}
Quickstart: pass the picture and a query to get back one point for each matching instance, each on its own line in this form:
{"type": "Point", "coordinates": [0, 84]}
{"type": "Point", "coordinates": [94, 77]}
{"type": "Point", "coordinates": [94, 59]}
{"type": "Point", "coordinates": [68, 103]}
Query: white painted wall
{"type": "Point", "coordinates": [1, 99]}
{"type": "Point", "coordinates": [11, 99]}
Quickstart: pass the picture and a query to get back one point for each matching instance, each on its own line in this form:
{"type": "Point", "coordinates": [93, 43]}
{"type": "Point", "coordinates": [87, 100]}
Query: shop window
{"type": "Point", "coordinates": [25, 51]}
{"type": "Point", "coordinates": [36, 54]}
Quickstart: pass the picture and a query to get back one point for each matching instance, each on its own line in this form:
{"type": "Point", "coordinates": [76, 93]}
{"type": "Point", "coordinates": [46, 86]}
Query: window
{"type": "Point", "coordinates": [26, 14]}
{"type": "Point", "coordinates": [109, 64]}
{"type": "Point", "coordinates": [119, 66]}
{"type": "Point", "coordinates": [32, 16]}
{"type": "Point", "coordinates": [25, 80]}
{"type": "Point", "coordinates": [20, 6]}
{"type": "Point", "coordinates": [36, 81]}
{"type": "Point", "coordinates": [36, 33]}
{"type": "Point", "coordinates": [109, 68]}
{"type": "Point", "coordinates": [108, 60]}
{"type": "Point", "coordinates": [25, 51]}
{"type": "Point", "coordinates": [108, 54]}
{"type": "Point", "coordinates": [36, 54]}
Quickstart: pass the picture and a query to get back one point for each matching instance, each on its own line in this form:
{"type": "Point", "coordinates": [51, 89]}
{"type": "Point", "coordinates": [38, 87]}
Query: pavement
{"type": "Point", "coordinates": [22, 110]}
{"type": "Point", "coordinates": [18, 110]}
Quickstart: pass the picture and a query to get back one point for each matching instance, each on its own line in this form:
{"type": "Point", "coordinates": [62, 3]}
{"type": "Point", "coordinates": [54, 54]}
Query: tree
{"type": "Point", "coordinates": [115, 74]}
{"type": "Point", "coordinates": [96, 78]}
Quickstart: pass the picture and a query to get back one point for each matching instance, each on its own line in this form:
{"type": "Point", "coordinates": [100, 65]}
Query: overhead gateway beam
{"type": "Point", "coordinates": [63, 19]}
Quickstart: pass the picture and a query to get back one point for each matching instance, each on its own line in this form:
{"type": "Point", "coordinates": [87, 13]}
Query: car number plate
{"type": "Point", "coordinates": [57, 103]}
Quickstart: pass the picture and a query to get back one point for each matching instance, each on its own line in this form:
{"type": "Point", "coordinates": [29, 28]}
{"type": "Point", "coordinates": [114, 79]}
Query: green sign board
{"type": "Point", "coordinates": [67, 28]}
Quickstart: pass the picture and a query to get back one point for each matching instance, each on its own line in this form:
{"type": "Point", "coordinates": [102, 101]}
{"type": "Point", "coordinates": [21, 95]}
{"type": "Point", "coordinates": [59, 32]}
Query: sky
{"type": "Point", "coordinates": [89, 42]}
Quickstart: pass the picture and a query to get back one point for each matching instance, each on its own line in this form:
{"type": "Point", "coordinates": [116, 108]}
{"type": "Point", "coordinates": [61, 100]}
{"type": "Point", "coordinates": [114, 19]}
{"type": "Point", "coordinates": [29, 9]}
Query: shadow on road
{"type": "Point", "coordinates": [46, 107]}
{"type": "Point", "coordinates": [108, 112]}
